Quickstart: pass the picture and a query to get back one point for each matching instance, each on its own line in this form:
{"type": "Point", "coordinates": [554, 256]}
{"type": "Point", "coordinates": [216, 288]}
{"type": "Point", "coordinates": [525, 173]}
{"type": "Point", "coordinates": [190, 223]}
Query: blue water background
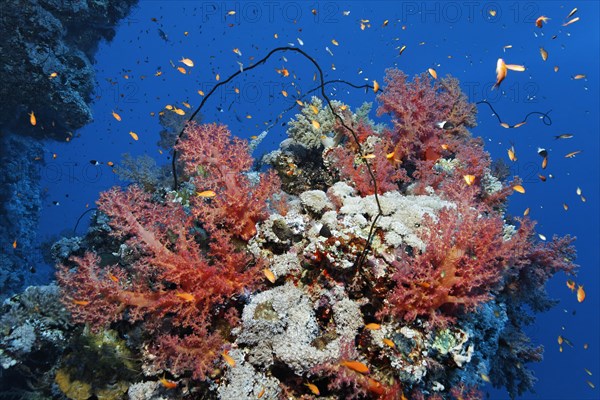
{"type": "Point", "coordinates": [458, 38]}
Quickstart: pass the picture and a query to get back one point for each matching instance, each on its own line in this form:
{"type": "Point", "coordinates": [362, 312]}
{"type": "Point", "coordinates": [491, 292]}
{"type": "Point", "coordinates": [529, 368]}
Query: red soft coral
{"type": "Point", "coordinates": [219, 163]}
{"type": "Point", "coordinates": [169, 283]}
{"type": "Point", "coordinates": [346, 160]}
{"type": "Point", "coordinates": [465, 257]}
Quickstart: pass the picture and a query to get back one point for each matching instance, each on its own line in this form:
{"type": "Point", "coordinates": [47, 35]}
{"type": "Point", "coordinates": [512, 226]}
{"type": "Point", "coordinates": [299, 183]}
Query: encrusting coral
{"type": "Point", "coordinates": [410, 288]}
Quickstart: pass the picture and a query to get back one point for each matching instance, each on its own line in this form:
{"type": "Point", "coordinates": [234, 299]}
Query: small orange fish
{"type": "Point", "coordinates": [579, 76]}
{"type": "Point", "coordinates": [300, 103]}
{"type": "Point", "coordinates": [237, 51]}
{"type": "Point", "coordinates": [217, 77]}
{"type": "Point", "coordinates": [572, 154]}
{"type": "Point", "coordinates": [541, 20]}
{"type": "Point", "coordinates": [470, 179]}
{"type": "Point", "coordinates": [32, 119]}
{"type": "Point", "coordinates": [543, 53]}
{"type": "Point", "coordinates": [402, 50]}
{"type": "Point", "coordinates": [355, 366]}
{"type": "Point", "coordinates": [432, 73]}
{"type": "Point", "coordinates": [284, 93]}
{"type": "Point", "coordinates": [112, 277]}
{"type": "Point", "coordinates": [14, 244]}
{"type": "Point", "coordinates": [511, 154]}
{"type": "Point", "coordinates": [187, 62]}
{"type": "Point", "coordinates": [53, 75]}
{"type": "Point", "coordinates": [182, 70]}
{"type": "Point", "coordinates": [269, 275]}
{"type": "Point", "coordinates": [133, 135]}
{"type": "Point", "coordinates": [389, 343]}
{"type": "Point", "coordinates": [167, 383]}
{"type": "Point", "coordinates": [313, 388]}
{"type": "Point", "coordinates": [314, 109]}
{"type": "Point", "coordinates": [580, 294]}
{"type": "Point", "coordinates": [200, 92]}
{"type": "Point", "coordinates": [335, 42]}
{"type": "Point", "coordinates": [206, 193]}
{"type": "Point", "coordinates": [187, 297]}
{"type": "Point", "coordinates": [178, 111]}
{"type": "Point", "coordinates": [544, 162]}
{"type": "Point", "coordinates": [571, 285]}
{"type": "Point", "coordinates": [110, 163]}
{"type": "Point", "coordinates": [186, 104]}
{"type": "Point", "coordinates": [373, 326]}
{"type": "Point", "coordinates": [261, 393]}
{"type": "Point", "coordinates": [80, 302]}
{"type": "Point", "coordinates": [116, 116]}
{"type": "Point", "coordinates": [526, 212]}
{"type": "Point", "coordinates": [573, 11]}
{"type": "Point", "coordinates": [504, 125]}
{"type": "Point", "coordinates": [228, 359]}
{"type": "Point", "coordinates": [502, 69]}
{"type": "Point", "coordinates": [518, 125]}
{"type": "Point", "coordinates": [315, 124]}
{"type": "Point", "coordinates": [519, 189]}
{"type": "Point", "coordinates": [368, 156]}
{"type": "Point", "coordinates": [375, 86]}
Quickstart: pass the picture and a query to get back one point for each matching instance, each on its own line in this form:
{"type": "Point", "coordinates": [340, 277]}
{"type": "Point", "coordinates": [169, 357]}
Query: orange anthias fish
{"type": "Point", "coordinates": [269, 275]}
{"type": "Point", "coordinates": [187, 297]}
{"type": "Point", "coordinates": [541, 20]}
{"type": "Point", "coordinates": [502, 69]}
{"type": "Point", "coordinates": [519, 189]}
{"type": "Point", "coordinates": [313, 388]}
{"type": "Point", "coordinates": [580, 294]}
{"type": "Point", "coordinates": [167, 383]}
{"type": "Point", "coordinates": [375, 87]}
{"type": "Point", "coordinates": [228, 359]}
{"type": "Point", "coordinates": [571, 285]}
{"type": "Point", "coordinates": [356, 366]}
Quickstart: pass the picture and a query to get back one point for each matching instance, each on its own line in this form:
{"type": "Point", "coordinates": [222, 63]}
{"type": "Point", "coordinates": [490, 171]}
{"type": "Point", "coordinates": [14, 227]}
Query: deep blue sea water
{"type": "Point", "coordinates": [463, 39]}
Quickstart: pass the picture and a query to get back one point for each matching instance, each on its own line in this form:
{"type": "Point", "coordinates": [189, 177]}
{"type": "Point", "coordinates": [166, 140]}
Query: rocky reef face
{"type": "Point", "coordinates": [47, 55]}
{"type": "Point", "coordinates": [47, 50]}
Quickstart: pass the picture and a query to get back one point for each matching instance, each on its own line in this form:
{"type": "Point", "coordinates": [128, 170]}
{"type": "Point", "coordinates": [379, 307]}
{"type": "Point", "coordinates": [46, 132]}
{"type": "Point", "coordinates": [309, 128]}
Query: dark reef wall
{"type": "Point", "coordinates": [38, 38]}
{"type": "Point", "coordinates": [47, 50]}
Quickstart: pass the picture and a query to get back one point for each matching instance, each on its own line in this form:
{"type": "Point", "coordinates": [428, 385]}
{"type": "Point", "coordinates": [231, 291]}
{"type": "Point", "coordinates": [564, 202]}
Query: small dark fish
{"type": "Point", "coordinates": [163, 35]}
{"type": "Point", "coordinates": [219, 109]}
{"type": "Point", "coordinates": [563, 136]}
{"type": "Point", "coordinates": [56, 203]}
{"type": "Point", "coordinates": [542, 152]}
{"type": "Point", "coordinates": [94, 162]}
{"type": "Point", "coordinates": [445, 125]}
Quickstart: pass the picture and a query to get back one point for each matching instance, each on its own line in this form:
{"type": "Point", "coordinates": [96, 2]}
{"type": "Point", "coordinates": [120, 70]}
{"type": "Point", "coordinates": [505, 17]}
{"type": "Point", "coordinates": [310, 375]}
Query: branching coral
{"type": "Point", "coordinates": [176, 282]}
{"type": "Point", "coordinates": [220, 164]}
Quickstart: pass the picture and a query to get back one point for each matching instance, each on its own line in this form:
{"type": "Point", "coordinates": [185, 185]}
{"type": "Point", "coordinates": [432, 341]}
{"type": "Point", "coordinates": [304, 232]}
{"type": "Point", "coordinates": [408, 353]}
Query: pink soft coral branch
{"type": "Point", "coordinates": [464, 260]}
{"type": "Point", "coordinates": [219, 163]}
